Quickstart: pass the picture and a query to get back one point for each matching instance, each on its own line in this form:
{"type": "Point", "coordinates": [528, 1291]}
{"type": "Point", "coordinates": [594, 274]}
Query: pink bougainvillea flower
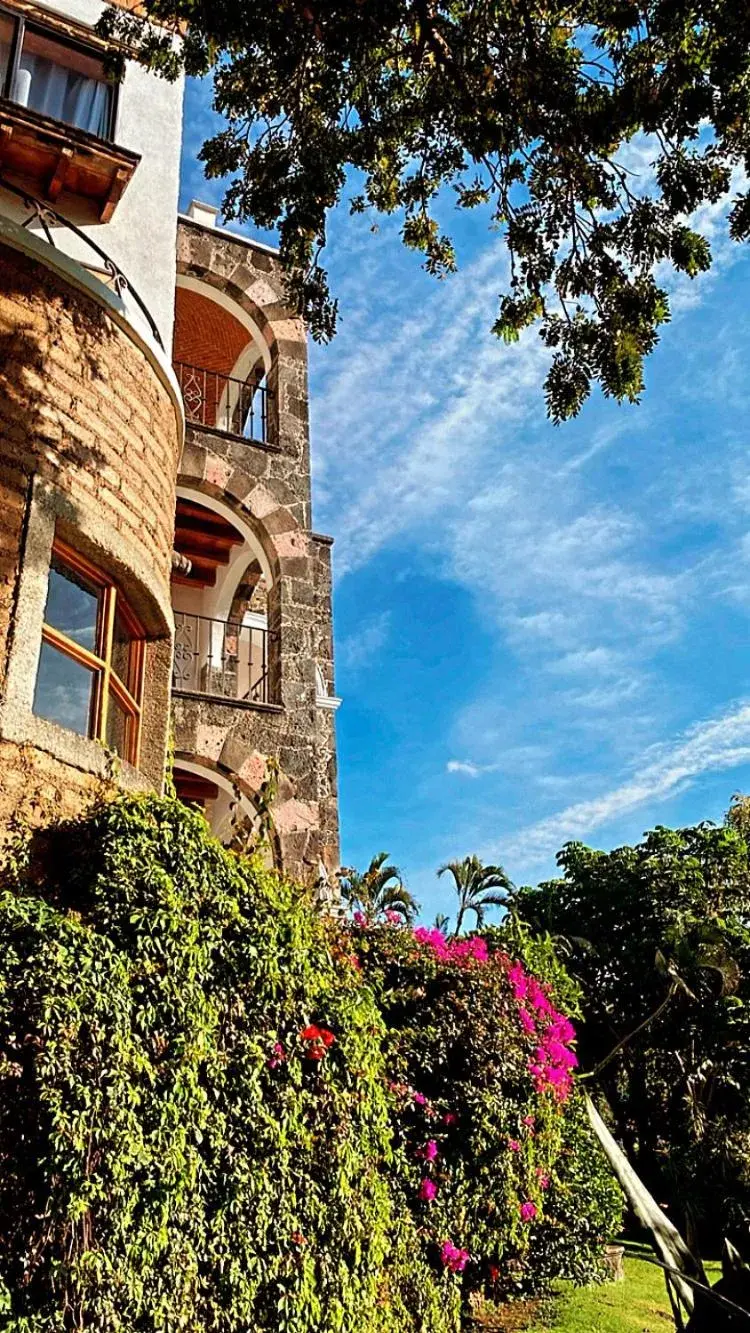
{"type": "Point", "coordinates": [427, 1190]}
{"type": "Point", "coordinates": [529, 1121]}
{"type": "Point", "coordinates": [278, 1057]}
{"type": "Point", "coordinates": [360, 920]}
{"type": "Point", "coordinates": [528, 1211]}
{"type": "Point", "coordinates": [430, 1151]}
{"type": "Point", "coordinates": [452, 951]}
{"type": "Point", "coordinates": [514, 1145]}
{"type": "Point", "coordinates": [543, 1182]}
{"type": "Point", "coordinates": [527, 1022]}
{"type": "Point", "coordinates": [393, 918]}
{"type": "Point", "coordinates": [553, 1059]}
{"type": "Point", "coordinates": [454, 1258]}
{"type": "Point", "coordinates": [450, 1118]}
{"type": "Point", "coordinates": [419, 1099]}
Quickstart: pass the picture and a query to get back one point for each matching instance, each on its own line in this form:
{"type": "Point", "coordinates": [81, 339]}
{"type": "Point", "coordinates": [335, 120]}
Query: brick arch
{"type": "Point", "coordinates": [242, 785]}
{"type": "Point", "coordinates": [232, 290]}
{"type": "Point", "coordinates": [245, 592]}
{"type": "Point", "coordinates": [277, 530]}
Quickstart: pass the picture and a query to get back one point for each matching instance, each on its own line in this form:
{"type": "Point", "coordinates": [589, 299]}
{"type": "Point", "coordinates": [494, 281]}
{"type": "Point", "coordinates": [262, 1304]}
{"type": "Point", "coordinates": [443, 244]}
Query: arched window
{"type": "Point", "coordinates": [90, 674]}
{"type": "Point", "coordinates": [221, 363]}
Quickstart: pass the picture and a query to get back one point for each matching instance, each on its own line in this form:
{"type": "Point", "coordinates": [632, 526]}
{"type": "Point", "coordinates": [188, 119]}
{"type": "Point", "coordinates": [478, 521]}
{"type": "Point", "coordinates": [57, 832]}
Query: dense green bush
{"type": "Point", "coordinates": [659, 937]}
{"type": "Point", "coordinates": [171, 1155]}
{"type": "Point", "coordinates": [516, 1180]}
{"type": "Point", "coordinates": [218, 1109]}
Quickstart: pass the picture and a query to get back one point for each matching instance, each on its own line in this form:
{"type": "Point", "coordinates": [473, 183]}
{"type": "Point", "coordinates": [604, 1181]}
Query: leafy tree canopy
{"type": "Point", "coordinates": [521, 107]}
{"type": "Point", "coordinates": [659, 937]}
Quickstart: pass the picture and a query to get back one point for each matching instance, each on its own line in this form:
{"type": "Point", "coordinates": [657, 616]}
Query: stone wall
{"type": "Point", "coordinates": [89, 442]}
{"type": "Point", "coordinates": [269, 488]}
{"type": "Point", "coordinates": [36, 788]}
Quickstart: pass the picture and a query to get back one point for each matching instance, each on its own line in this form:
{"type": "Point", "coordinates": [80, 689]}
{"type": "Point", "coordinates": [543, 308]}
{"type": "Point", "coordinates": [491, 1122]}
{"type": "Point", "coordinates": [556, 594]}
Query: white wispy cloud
{"type": "Point", "coordinates": [357, 650]}
{"type": "Point", "coordinates": [468, 769]}
{"type": "Point", "coordinates": [663, 770]}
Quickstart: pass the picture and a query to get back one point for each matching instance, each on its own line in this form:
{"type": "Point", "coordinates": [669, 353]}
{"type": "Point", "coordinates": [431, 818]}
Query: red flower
{"type": "Point", "coordinates": [319, 1038]}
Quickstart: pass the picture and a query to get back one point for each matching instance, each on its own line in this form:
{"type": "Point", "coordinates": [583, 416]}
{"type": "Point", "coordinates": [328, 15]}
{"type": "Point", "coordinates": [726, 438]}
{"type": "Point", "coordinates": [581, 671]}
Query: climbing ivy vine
{"type": "Point", "coordinates": [203, 1122]}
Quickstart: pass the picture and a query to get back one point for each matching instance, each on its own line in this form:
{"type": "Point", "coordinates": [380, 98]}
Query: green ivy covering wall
{"type": "Point", "coordinates": [161, 1167]}
{"type": "Point", "coordinates": [206, 1109]}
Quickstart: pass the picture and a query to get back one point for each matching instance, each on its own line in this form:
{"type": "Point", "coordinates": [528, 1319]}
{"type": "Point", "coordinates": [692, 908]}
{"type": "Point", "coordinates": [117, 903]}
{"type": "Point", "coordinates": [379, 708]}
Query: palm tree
{"type": "Point", "coordinates": [477, 887]}
{"type": "Point", "coordinates": [442, 922]}
{"type": "Point", "coordinates": [377, 890]}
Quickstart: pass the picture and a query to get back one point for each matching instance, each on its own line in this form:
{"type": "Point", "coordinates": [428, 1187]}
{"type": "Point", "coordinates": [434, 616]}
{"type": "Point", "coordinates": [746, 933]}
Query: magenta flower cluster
{"type": "Point", "coordinates": [552, 1064]}
{"type": "Point", "coordinates": [454, 1258]}
{"type": "Point", "coordinates": [473, 950]}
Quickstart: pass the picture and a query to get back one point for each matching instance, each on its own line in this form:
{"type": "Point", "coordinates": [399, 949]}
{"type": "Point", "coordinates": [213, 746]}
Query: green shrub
{"type": "Point", "coordinates": [174, 1153]}
{"type": "Point", "coordinates": [519, 1183]}
{"type": "Point", "coordinates": [216, 1116]}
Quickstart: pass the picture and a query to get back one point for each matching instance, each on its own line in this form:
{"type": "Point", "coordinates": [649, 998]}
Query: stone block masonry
{"type": "Point", "coordinates": [90, 428]}
{"type": "Point", "coordinates": [267, 487]}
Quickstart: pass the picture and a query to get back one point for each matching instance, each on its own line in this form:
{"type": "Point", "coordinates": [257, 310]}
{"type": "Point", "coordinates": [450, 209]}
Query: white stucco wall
{"type": "Point", "coordinates": [142, 236]}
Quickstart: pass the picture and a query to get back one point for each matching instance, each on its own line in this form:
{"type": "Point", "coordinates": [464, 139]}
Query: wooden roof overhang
{"type": "Point", "coordinates": [206, 539]}
{"type": "Point", "coordinates": [194, 789]}
{"type": "Point", "coordinates": [49, 157]}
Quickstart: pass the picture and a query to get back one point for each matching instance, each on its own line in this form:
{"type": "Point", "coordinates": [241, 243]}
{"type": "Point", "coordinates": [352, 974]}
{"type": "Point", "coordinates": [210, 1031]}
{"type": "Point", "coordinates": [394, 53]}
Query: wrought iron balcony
{"type": "Point", "coordinates": [221, 658]}
{"type": "Point", "coordinates": [219, 402]}
{"type": "Point", "coordinates": [100, 263]}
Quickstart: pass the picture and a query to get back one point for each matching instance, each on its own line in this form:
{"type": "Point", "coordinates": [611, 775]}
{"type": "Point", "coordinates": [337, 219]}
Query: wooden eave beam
{"type": "Point", "coordinates": [59, 175]}
{"type": "Point", "coordinates": [194, 581]}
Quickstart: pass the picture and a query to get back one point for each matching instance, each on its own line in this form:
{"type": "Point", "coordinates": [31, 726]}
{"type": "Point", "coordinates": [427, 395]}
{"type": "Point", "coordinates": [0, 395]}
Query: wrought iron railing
{"type": "Point", "coordinates": [220, 402]}
{"type": "Point", "coordinates": [222, 658]}
{"type": "Point", "coordinates": [106, 270]}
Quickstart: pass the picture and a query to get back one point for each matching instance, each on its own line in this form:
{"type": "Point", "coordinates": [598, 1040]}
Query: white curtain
{"type": "Point", "coordinates": [62, 94]}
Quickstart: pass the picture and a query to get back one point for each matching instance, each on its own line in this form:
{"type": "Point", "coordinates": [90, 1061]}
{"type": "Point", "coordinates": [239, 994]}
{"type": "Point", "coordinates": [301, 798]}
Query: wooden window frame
{"type": "Point", "coordinates": [129, 695]}
{"type": "Point", "coordinates": [21, 21]}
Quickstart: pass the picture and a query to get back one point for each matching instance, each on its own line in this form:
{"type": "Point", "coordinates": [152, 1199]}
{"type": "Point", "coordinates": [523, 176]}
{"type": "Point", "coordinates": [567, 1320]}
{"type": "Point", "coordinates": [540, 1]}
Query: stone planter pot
{"type": "Point", "coordinates": [613, 1258]}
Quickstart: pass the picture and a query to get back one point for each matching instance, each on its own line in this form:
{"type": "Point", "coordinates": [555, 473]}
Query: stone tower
{"type": "Point", "coordinates": [156, 551]}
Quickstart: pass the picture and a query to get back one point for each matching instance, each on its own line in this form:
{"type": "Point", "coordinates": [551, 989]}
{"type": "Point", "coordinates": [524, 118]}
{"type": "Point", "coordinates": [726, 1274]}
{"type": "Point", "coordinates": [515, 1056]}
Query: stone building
{"type": "Point", "coordinates": [158, 570]}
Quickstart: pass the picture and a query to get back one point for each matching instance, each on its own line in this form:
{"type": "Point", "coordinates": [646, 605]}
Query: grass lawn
{"type": "Point", "coordinates": [637, 1305]}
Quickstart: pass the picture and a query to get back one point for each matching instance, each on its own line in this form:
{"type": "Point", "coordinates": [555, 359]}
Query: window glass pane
{"type": "Point", "coordinates": [121, 653]}
{"type": "Point", "coordinates": [120, 725]}
{"type": "Point", "coordinates": [64, 690]}
{"type": "Point", "coordinates": [72, 605]}
{"type": "Point", "coordinates": [62, 82]}
{"type": "Point", "coordinates": [6, 45]}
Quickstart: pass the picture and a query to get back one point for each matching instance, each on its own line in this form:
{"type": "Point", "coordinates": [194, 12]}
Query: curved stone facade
{"type": "Point", "coordinates": [90, 435]}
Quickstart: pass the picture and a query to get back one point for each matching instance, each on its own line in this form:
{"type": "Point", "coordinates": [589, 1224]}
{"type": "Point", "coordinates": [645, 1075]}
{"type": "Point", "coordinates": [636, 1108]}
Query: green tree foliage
{"type": "Point", "coordinates": [523, 110]}
{"type": "Point", "coordinates": [178, 1148]}
{"type": "Point", "coordinates": [478, 887]}
{"type": "Point", "coordinates": [515, 1178]}
{"type": "Point", "coordinates": [377, 890]}
{"type": "Point", "coordinates": [658, 935]}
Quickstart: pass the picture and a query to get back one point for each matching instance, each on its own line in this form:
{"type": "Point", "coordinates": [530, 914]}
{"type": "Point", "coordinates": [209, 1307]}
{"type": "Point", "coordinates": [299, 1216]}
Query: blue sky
{"type": "Point", "coordinates": [541, 633]}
